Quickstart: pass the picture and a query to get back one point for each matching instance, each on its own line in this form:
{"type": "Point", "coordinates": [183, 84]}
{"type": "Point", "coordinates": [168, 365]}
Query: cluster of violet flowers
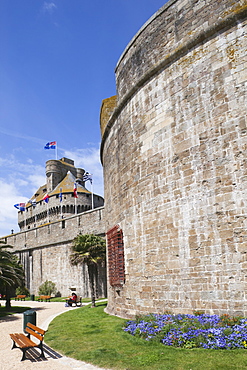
{"type": "Point", "coordinates": [191, 331]}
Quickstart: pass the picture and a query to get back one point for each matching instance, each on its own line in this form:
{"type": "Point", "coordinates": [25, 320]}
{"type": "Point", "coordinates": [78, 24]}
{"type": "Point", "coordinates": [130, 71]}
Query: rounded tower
{"type": "Point", "coordinates": [63, 195]}
{"type": "Point", "coordinates": [174, 157]}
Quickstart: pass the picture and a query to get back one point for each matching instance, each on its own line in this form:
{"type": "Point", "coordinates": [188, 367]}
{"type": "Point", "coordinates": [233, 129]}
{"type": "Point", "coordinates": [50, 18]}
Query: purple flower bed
{"type": "Point", "coordinates": [191, 331]}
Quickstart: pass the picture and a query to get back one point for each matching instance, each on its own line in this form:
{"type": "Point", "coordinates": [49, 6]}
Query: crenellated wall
{"type": "Point", "coordinates": [61, 175]}
{"type": "Point", "coordinates": [175, 150]}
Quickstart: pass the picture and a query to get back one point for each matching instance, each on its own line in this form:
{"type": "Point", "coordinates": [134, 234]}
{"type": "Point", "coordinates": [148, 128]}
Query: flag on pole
{"type": "Point", "coordinates": [61, 195]}
{"type": "Point", "coordinates": [75, 190]}
{"type": "Point", "coordinates": [32, 202]}
{"type": "Point", "coordinates": [87, 176]}
{"type": "Point", "coordinates": [20, 206]}
{"type": "Point", "coordinates": [46, 198]}
{"type": "Point", "coordinates": [51, 145]}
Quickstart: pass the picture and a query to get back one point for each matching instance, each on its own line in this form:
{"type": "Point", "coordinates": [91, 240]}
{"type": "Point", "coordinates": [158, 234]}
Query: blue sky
{"type": "Point", "coordinates": [57, 64]}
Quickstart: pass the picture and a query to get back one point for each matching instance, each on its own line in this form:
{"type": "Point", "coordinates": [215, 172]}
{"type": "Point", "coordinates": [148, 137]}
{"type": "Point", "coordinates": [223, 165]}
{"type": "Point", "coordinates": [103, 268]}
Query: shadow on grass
{"type": "Point", "coordinates": [9, 313]}
{"type": "Point", "coordinates": [100, 304]}
{"type": "Point", "coordinates": [5, 313]}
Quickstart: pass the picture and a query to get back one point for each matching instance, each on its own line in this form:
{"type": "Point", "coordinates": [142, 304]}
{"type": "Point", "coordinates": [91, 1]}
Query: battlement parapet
{"type": "Point", "coordinates": [60, 231]}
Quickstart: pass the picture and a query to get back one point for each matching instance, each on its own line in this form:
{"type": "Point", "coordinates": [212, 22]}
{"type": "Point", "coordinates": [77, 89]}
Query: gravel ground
{"type": "Point", "coordinates": [45, 313]}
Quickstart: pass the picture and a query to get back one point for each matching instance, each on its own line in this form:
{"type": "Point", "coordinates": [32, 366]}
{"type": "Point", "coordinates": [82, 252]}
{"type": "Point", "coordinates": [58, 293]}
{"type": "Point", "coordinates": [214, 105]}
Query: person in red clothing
{"type": "Point", "coordinates": [72, 299]}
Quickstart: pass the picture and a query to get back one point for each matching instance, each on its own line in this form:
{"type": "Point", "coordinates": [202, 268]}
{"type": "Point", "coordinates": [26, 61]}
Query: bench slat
{"type": "Point", "coordinates": [39, 330]}
{"type": "Point", "coordinates": [22, 340]}
{"type": "Point", "coordinates": [36, 335]}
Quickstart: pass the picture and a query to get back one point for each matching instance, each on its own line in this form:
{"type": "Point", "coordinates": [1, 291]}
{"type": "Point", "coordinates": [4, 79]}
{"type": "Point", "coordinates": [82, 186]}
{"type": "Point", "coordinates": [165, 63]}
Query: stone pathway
{"type": "Point", "coordinates": [11, 359]}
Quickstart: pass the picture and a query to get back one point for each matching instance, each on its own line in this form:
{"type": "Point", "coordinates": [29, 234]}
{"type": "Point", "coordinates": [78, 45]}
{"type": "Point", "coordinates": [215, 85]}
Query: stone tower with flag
{"type": "Point", "coordinates": [56, 199]}
{"type": "Point", "coordinates": [59, 210]}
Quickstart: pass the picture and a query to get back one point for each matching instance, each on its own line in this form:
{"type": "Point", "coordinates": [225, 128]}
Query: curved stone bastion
{"type": "Point", "coordinates": [174, 156]}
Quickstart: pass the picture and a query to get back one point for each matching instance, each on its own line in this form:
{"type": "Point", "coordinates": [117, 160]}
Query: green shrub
{"type": "Point", "coordinates": [22, 290]}
{"type": "Point", "coordinates": [47, 288]}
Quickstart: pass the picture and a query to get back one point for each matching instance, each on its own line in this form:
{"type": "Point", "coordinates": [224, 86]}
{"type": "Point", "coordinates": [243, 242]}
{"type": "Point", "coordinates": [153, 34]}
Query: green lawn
{"type": "Point", "coordinates": [90, 335]}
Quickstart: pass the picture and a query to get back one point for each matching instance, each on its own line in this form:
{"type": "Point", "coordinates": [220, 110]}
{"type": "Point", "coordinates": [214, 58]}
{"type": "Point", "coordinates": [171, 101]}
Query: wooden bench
{"type": "Point", "coordinates": [77, 303]}
{"type": "Point", "coordinates": [24, 342]}
{"type": "Point", "coordinates": [46, 298]}
{"type": "Point", "coordinates": [21, 297]}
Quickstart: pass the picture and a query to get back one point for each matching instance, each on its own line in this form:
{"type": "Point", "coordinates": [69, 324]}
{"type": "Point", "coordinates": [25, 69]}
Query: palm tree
{"type": "Point", "coordinates": [11, 272]}
{"type": "Point", "coordinates": [91, 250]}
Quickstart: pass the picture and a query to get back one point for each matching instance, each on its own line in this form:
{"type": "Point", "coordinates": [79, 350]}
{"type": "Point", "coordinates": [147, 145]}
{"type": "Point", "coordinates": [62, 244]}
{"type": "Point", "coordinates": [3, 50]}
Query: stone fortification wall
{"type": "Point", "coordinates": [175, 151]}
{"type": "Point", "coordinates": [61, 175]}
{"type": "Point", "coordinates": [44, 252]}
{"type": "Point", "coordinates": [44, 213]}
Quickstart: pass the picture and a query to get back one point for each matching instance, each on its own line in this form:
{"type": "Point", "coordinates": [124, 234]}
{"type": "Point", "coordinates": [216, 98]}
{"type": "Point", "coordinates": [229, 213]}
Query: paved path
{"type": "Point", "coordinates": [11, 359]}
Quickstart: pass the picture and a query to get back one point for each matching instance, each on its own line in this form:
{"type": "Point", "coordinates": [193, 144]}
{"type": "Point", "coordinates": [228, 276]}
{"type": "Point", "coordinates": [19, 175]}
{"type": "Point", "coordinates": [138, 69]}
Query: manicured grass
{"type": "Point", "coordinates": [12, 311]}
{"type": "Point", "coordinates": [90, 335]}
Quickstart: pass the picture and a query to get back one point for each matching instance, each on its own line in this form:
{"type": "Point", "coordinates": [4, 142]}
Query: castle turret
{"type": "Point", "coordinates": [61, 175]}
{"type": "Point", "coordinates": [56, 170]}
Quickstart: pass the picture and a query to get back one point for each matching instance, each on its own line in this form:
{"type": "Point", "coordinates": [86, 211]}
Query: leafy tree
{"type": "Point", "coordinates": [47, 288]}
{"type": "Point", "coordinates": [11, 272]}
{"type": "Point", "coordinates": [22, 290]}
{"type": "Point", "coordinates": [91, 250]}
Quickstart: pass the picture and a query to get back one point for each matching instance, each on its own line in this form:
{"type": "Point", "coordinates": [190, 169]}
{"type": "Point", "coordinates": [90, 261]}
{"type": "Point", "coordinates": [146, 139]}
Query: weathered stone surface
{"type": "Point", "coordinates": [44, 252]}
{"type": "Point", "coordinates": [174, 151]}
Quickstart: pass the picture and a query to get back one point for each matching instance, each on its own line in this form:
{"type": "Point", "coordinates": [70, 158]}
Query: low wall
{"type": "Point", "coordinates": [45, 252]}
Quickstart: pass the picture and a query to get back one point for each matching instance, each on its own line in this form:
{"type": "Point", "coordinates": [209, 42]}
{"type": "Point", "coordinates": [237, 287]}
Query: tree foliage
{"type": "Point", "coordinates": [47, 288]}
{"type": "Point", "coordinates": [91, 250]}
{"type": "Point", "coordinates": [11, 272]}
{"type": "Point", "coordinates": [22, 290]}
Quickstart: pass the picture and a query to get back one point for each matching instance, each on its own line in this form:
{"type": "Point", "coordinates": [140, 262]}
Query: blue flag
{"type": "Point", "coordinates": [20, 206]}
{"type": "Point", "coordinates": [51, 145]}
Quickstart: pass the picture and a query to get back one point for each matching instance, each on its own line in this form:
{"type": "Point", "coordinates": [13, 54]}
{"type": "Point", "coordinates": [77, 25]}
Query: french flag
{"type": "Point", "coordinates": [51, 145]}
{"type": "Point", "coordinates": [75, 190]}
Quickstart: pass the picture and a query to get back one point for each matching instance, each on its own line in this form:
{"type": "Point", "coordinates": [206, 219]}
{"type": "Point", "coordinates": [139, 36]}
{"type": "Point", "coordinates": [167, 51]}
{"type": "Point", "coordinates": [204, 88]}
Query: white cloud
{"type": "Point", "coordinates": [8, 214]}
{"type": "Point", "coordinates": [89, 160]}
{"type": "Point", "coordinates": [49, 7]}
{"type": "Point", "coordinates": [19, 135]}
{"type": "Point", "coordinates": [35, 181]}
{"type": "Point", "coordinates": [20, 180]}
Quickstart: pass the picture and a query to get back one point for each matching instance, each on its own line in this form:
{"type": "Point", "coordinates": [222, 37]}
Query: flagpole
{"type": "Point", "coordinates": [48, 220]}
{"type": "Point", "coordinates": [75, 206]}
{"type": "Point", "coordinates": [75, 196]}
{"type": "Point", "coordinates": [56, 150]}
{"type": "Point", "coordinates": [92, 194]}
{"type": "Point", "coordinates": [61, 197]}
